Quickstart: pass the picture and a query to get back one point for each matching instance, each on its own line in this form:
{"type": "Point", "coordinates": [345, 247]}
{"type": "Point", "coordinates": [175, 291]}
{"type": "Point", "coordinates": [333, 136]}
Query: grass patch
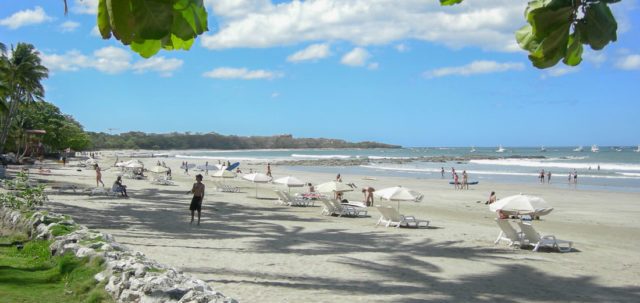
{"type": "Point", "coordinates": [60, 230]}
{"type": "Point", "coordinates": [32, 275]}
{"type": "Point", "coordinates": [155, 269]}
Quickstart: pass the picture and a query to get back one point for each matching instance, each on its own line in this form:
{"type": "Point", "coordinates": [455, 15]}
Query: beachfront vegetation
{"type": "Point", "coordinates": [22, 106]}
{"type": "Point", "coordinates": [25, 196]}
{"type": "Point", "coordinates": [30, 274]}
{"type": "Point", "coordinates": [556, 29]}
{"type": "Point", "coordinates": [139, 140]}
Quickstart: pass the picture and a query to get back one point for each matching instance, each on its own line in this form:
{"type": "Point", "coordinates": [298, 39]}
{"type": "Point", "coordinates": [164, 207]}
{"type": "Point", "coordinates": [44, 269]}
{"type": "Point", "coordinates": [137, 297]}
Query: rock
{"type": "Point", "coordinates": [140, 270]}
{"type": "Point", "coordinates": [101, 276]}
{"type": "Point", "coordinates": [85, 252]}
{"type": "Point", "coordinates": [129, 296]}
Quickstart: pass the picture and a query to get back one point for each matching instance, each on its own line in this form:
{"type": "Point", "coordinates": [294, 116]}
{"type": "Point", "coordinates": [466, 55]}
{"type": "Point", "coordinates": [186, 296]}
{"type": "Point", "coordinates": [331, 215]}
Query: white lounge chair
{"type": "Point", "coordinates": [348, 210]}
{"type": "Point", "coordinates": [162, 181]}
{"type": "Point", "coordinates": [534, 238]}
{"type": "Point", "coordinates": [390, 217]}
{"type": "Point", "coordinates": [508, 233]}
{"type": "Point", "coordinates": [226, 188]}
{"type": "Point", "coordinates": [329, 209]}
{"type": "Point", "coordinates": [286, 199]}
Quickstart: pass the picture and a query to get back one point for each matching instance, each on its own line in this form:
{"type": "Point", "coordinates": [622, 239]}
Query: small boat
{"type": "Point", "coordinates": [578, 149]}
{"type": "Point", "coordinates": [473, 150]}
{"type": "Point", "coordinates": [500, 149]}
{"type": "Point", "coordinates": [542, 149]}
{"type": "Point", "coordinates": [618, 149]}
{"type": "Point", "coordinates": [637, 149]}
{"type": "Point", "coordinates": [594, 148]}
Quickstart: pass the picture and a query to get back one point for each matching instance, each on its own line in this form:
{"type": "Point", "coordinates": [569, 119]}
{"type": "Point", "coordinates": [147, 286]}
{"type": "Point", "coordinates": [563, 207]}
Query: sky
{"type": "Point", "coordinates": [402, 72]}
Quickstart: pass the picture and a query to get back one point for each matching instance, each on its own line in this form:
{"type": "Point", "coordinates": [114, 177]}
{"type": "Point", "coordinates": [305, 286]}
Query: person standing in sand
{"type": "Point", "coordinates": [455, 180]}
{"type": "Point", "coordinates": [442, 172]}
{"type": "Point", "coordinates": [368, 195]}
{"type": "Point", "coordinates": [198, 194]}
{"type": "Point", "coordinates": [98, 175]}
{"type": "Point", "coordinates": [548, 177]}
{"type": "Point", "coordinates": [465, 180]}
{"type": "Point", "coordinates": [269, 169]}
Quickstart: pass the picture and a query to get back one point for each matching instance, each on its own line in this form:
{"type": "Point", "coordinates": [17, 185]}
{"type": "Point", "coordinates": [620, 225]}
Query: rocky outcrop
{"type": "Point", "coordinates": [129, 276]}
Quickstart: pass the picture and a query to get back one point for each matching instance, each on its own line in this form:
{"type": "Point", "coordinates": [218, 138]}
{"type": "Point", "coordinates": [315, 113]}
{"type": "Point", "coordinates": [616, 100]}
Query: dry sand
{"type": "Point", "coordinates": [256, 251]}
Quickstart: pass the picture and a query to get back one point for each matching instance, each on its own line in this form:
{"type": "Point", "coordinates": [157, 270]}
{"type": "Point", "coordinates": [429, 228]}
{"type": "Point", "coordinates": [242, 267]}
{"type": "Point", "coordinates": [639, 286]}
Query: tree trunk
{"type": "Point", "coordinates": [7, 122]}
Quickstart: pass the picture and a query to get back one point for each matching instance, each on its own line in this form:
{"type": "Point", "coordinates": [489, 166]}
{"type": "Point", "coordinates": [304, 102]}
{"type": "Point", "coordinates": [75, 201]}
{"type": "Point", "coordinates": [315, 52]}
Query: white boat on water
{"type": "Point", "coordinates": [578, 149]}
{"type": "Point", "coordinates": [500, 149]}
{"type": "Point", "coordinates": [542, 149]}
{"type": "Point", "coordinates": [594, 148]}
{"type": "Point", "coordinates": [473, 149]}
{"type": "Point", "coordinates": [637, 149]}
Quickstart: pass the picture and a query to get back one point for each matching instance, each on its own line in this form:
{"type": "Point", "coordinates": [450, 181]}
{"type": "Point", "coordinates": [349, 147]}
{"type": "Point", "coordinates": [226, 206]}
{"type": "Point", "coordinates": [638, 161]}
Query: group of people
{"type": "Point", "coordinates": [573, 176]}
{"type": "Point", "coordinates": [456, 180]}
{"type": "Point", "coordinates": [542, 175]}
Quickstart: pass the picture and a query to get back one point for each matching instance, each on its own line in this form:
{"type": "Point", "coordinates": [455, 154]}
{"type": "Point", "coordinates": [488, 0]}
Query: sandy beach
{"type": "Point", "coordinates": [254, 250]}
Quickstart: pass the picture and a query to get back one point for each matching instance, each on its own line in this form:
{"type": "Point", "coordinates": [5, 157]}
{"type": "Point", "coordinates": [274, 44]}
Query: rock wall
{"type": "Point", "coordinates": [129, 275]}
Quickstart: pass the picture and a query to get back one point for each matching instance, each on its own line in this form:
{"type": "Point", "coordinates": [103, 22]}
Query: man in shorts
{"type": "Point", "coordinates": [198, 193]}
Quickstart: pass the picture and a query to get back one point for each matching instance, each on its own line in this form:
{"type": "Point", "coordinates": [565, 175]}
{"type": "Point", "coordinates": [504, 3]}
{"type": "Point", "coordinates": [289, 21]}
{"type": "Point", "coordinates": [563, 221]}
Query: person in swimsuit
{"type": "Point", "coordinates": [98, 175]}
{"type": "Point", "coordinates": [196, 202]}
{"type": "Point", "coordinates": [269, 169]}
{"type": "Point", "coordinates": [492, 198]}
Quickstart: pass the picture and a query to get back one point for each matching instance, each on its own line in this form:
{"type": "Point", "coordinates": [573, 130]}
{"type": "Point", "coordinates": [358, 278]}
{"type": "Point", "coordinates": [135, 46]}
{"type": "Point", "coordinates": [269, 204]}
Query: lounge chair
{"type": "Point", "coordinates": [329, 209]}
{"type": "Point", "coordinates": [348, 210]}
{"type": "Point", "coordinates": [287, 199]}
{"type": "Point", "coordinates": [162, 181]}
{"type": "Point", "coordinates": [226, 188]}
{"type": "Point", "coordinates": [534, 238]}
{"type": "Point", "coordinates": [390, 217]}
{"type": "Point", "coordinates": [508, 233]}
{"type": "Point", "coordinates": [109, 192]}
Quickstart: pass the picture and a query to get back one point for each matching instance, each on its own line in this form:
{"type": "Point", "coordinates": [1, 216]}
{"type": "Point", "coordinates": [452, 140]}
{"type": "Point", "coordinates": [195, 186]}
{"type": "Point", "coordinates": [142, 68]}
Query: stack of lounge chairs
{"type": "Point", "coordinates": [335, 208]}
{"type": "Point", "coordinates": [528, 236]}
{"type": "Point", "coordinates": [286, 199]}
{"type": "Point", "coordinates": [389, 216]}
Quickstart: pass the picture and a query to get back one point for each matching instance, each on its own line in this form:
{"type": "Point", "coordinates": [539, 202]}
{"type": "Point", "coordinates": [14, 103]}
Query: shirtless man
{"type": "Point", "coordinates": [198, 193]}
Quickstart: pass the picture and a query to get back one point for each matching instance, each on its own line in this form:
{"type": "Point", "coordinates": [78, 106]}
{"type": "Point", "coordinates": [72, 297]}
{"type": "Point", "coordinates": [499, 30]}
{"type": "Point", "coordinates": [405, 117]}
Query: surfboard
{"type": "Point", "coordinates": [233, 166]}
{"type": "Point", "coordinates": [470, 183]}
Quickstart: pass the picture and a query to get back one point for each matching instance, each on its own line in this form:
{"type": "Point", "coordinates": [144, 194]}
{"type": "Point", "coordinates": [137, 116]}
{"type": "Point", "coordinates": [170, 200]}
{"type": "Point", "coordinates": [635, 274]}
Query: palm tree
{"type": "Point", "coordinates": [20, 73]}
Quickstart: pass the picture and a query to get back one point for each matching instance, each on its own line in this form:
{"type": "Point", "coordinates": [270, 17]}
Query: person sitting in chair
{"type": "Point", "coordinates": [119, 187]}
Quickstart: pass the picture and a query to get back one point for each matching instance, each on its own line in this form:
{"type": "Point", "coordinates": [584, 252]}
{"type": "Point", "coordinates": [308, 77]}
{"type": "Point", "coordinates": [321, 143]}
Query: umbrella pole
{"type": "Point", "coordinates": [398, 206]}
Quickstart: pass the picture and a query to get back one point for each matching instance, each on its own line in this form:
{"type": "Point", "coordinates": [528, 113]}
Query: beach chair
{"type": "Point", "coordinates": [162, 180]}
{"type": "Point", "coordinates": [226, 188]}
{"type": "Point", "coordinates": [508, 233]}
{"type": "Point", "coordinates": [329, 209]}
{"type": "Point", "coordinates": [109, 192]}
{"type": "Point", "coordinates": [389, 216]}
{"type": "Point", "coordinates": [534, 238]}
{"type": "Point", "coordinates": [348, 210]}
{"type": "Point", "coordinates": [297, 201]}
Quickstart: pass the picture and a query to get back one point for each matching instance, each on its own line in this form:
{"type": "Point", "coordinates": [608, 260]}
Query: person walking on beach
{"type": "Point", "coordinates": [269, 169]}
{"type": "Point", "coordinates": [548, 177]}
{"type": "Point", "coordinates": [455, 180]}
{"type": "Point", "coordinates": [186, 167]}
{"type": "Point", "coordinates": [368, 195]}
{"type": "Point", "coordinates": [569, 179]}
{"type": "Point", "coordinates": [465, 180]}
{"type": "Point", "coordinates": [338, 178]}
{"type": "Point", "coordinates": [541, 176]}
{"type": "Point", "coordinates": [198, 194]}
{"type": "Point", "coordinates": [442, 172]}
{"type": "Point", "coordinates": [575, 176]}
{"type": "Point", "coordinates": [453, 172]}
{"type": "Point", "coordinates": [206, 168]}
{"type": "Point", "coordinates": [98, 175]}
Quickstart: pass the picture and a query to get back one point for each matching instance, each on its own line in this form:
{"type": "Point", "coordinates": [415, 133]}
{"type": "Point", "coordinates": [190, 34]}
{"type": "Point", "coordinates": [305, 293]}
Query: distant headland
{"type": "Point", "coordinates": [212, 140]}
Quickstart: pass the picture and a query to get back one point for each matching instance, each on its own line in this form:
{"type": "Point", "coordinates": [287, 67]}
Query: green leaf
{"type": "Point", "coordinates": [153, 18]}
{"type": "Point", "coordinates": [598, 27]}
{"type": "Point", "coordinates": [552, 48]}
{"type": "Point", "coordinates": [146, 48]}
{"type": "Point", "coordinates": [545, 16]}
{"type": "Point", "coordinates": [525, 38]}
{"type": "Point", "coordinates": [450, 2]}
{"type": "Point", "coordinates": [104, 24]}
{"type": "Point", "coordinates": [122, 20]}
{"type": "Point", "coordinates": [573, 56]}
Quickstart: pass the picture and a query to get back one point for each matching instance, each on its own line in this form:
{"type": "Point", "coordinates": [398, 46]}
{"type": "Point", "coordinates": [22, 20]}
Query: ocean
{"type": "Point", "coordinates": [612, 168]}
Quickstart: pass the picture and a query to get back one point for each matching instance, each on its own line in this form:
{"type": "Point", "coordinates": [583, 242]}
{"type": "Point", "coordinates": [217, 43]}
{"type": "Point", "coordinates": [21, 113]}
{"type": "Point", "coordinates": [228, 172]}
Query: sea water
{"type": "Point", "coordinates": [619, 167]}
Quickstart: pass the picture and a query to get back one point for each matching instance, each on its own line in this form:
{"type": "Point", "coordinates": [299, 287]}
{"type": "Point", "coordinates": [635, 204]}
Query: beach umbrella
{"type": "Point", "coordinates": [398, 193]}
{"type": "Point", "coordinates": [257, 178]}
{"type": "Point", "coordinates": [90, 161]}
{"type": "Point", "coordinates": [522, 205]}
{"type": "Point", "coordinates": [134, 164]}
{"type": "Point", "coordinates": [333, 186]}
{"type": "Point", "coordinates": [159, 169]}
{"type": "Point", "coordinates": [223, 174]}
{"type": "Point", "coordinates": [290, 182]}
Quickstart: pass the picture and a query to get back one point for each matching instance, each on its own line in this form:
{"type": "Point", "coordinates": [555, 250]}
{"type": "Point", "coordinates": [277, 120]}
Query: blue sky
{"type": "Point", "coordinates": [402, 72]}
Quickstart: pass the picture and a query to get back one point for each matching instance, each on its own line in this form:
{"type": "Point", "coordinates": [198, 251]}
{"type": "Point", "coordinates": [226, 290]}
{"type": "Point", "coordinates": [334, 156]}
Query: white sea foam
{"type": "Point", "coordinates": [306, 156]}
{"type": "Point", "coordinates": [388, 158]}
{"type": "Point", "coordinates": [222, 158]}
{"type": "Point", "coordinates": [566, 165]}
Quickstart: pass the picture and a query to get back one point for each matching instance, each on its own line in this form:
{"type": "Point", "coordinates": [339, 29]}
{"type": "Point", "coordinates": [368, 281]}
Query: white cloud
{"type": "Point", "coordinates": [373, 65]}
{"type": "Point", "coordinates": [95, 32]}
{"type": "Point", "coordinates": [85, 7]}
{"type": "Point", "coordinates": [69, 26]}
{"type": "Point", "coordinates": [161, 65]}
{"type": "Point", "coordinates": [312, 52]}
{"type": "Point", "coordinates": [110, 60]}
{"type": "Point", "coordinates": [26, 17]}
{"type": "Point", "coordinates": [275, 95]}
{"type": "Point", "coordinates": [559, 71]}
{"type": "Point", "coordinates": [241, 73]}
{"type": "Point", "coordinates": [488, 24]}
{"type": "Point", "coordinates": [402, 48]}
{"type": "Point", "coordinates": [595, 57]}
{"type": "Point", "coordinates": [356, 57]}
{"type": "Point", "coordinates": [629, 62]}
{"type": "Point", "coordinates": [473, 68]}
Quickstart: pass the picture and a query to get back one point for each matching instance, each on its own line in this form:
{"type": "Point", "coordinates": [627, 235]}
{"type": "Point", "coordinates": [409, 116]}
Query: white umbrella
{"type": "Point", "coordinates": [257, 178]}
{"type": "Point", "coordinates": [134, 165]}
{"type": "Point", "coordinates": [223, 174]}
{"type": "Point", "coordinates": [333, 186]}
{"type": "Point", "coordinates": [398, 193]}
{"type": "Point", "coordinates": [522, 205]}
{"type": "Point", "coordinates": [290, 182]}
{"type": "Point", "coordinates": [159, 169]}
{"type": "Point", "coordinates": [90, 161]}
